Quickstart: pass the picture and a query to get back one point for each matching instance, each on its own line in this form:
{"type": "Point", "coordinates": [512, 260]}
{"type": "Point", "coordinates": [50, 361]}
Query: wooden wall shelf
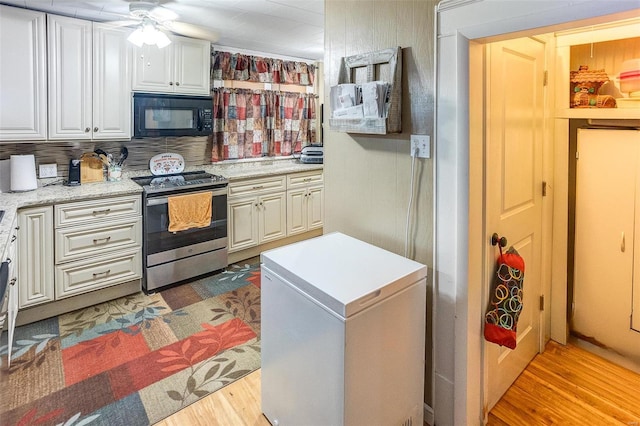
{"type": "Point", "coordinates": [392, 123]}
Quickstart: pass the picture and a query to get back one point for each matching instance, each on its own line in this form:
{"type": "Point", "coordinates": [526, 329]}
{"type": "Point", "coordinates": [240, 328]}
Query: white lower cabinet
{"type": "Point", "coordinates": [256, 220]}
{"type": "Point", "coordinates": [95, 273]}
{"type": "Point", "coordinates": [98, 244]}
{"type": "Point", "coordinates": [35, 266]}
{"type": "Point", "coordinates": [267, 209]}
{"type": "Point", "coordinates": [257, 211]}
{"type": "Point", "coordinates": [74, 248]}
{"type": "Point", "coordinates": [305, 202]}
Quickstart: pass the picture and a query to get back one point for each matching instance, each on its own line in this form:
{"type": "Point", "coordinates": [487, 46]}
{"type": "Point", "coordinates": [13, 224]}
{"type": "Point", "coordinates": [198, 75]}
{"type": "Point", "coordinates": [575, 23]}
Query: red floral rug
{"type": "Point", "coordinates": [134, 360]}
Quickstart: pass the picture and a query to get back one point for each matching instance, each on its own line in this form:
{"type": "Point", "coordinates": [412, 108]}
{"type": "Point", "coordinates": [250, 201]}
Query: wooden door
{"type": "Point", "coordinates": [513, 192]}
{"type": "Point", "coordinates": [606, 176]}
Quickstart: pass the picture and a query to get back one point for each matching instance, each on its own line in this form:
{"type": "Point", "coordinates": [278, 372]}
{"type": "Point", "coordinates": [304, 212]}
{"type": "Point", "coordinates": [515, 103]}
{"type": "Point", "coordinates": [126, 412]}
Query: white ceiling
{"type": "Point", "coordinates": [293, 28]}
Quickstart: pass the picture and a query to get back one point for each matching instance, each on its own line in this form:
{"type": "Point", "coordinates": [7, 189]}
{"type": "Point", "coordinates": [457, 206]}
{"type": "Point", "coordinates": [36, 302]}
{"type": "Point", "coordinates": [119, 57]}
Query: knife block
{"type": "Point", "coordinates": [91, 170]}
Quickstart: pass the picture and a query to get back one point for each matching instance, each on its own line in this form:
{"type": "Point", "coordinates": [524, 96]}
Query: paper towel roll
{"type": "Point", "coordinates": [23, 173]}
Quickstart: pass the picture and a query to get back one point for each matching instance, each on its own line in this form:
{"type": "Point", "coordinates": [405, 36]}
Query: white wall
{"type": "Point", "coordinates": [367, 178]}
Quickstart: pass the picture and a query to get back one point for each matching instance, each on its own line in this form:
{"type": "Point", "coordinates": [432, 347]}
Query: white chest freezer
{"type": "Point", "coordinates": [343, 334]}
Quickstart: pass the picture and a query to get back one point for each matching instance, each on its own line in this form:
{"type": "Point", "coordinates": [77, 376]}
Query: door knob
{"type": "Point", "coordinates": [495, 239]}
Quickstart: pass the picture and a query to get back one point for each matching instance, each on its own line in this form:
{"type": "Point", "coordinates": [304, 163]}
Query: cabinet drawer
{"type": "Point", "coordinates": [298, 180]}
{"type": "Point", "coordinates": [75, 242]}
{"type": "Point", "coordinates": [97, 210]}
{"type": "Point", "coordinates": [90, 274]}
{"type": "Point", "coordinates": [257, 186]}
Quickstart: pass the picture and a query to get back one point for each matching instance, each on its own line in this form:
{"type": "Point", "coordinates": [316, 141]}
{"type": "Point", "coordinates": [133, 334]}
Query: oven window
{"type": "Point", "coordinates": [168, 118]}
{"type": "Point", "coordinates": [159, 239]}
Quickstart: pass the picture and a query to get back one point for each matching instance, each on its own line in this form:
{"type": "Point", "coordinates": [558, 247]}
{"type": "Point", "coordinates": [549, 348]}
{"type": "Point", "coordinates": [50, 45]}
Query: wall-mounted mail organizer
{"type": "Point", "coordinates": [368, 97]}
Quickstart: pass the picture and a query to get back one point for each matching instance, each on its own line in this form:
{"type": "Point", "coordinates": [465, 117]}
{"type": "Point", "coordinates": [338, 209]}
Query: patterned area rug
{"type": "Point", "coordinates": [134, 360]}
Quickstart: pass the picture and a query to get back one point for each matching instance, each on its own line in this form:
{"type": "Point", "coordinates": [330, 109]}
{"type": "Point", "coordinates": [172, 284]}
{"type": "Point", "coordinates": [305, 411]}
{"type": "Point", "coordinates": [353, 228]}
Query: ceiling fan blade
{"type": "Point", "coordinates": [162, 14]}
{"type": "Point", "coordinates": [190, 30]}
{"type": "Point", "coordinates": [124, 23]}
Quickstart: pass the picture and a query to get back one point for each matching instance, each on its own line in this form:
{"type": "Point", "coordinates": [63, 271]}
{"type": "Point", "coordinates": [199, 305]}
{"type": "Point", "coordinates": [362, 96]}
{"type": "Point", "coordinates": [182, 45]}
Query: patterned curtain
{"type": "Point", "coordinates": [236, 66]}
{"type": "Point", "coordinates": [255, 123]}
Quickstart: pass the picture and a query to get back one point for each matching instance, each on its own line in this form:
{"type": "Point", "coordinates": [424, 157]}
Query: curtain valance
{"type": "Point", "coordinates": [236, 66]}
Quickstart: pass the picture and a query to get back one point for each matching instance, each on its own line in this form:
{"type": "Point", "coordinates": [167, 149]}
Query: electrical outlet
{"type": "Point", "coordinates": [48, 170]}
{"type": "Point", "coordinates": [421, 143]}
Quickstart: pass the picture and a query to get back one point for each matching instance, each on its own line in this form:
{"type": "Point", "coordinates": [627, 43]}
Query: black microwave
{"type": "Point", "coordinates": [156, 115]}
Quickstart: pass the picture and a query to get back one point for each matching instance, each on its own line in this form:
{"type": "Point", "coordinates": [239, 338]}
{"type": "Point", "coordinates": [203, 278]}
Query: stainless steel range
{"type": "Point", "coordinates": [171, 257]}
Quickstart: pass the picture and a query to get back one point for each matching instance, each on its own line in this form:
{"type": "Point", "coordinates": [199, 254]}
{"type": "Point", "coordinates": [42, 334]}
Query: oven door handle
{"type": "Point", "coordinates": [156, 201]}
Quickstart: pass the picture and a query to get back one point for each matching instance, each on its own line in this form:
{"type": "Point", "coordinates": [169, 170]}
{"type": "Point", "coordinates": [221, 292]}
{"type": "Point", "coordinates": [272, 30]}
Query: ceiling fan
{"type": "Point", "coordinates": [152, 20]}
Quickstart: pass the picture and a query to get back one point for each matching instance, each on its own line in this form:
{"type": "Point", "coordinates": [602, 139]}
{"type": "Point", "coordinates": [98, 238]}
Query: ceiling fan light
{"type": "Point", "coordinates": [161, 39]}
{"type": "Point", "coordinates": [136, 37]}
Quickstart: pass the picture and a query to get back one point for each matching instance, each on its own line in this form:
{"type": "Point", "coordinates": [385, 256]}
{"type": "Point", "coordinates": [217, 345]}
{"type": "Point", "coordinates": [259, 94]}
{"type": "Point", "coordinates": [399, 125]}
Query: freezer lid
{"type": "Point", "coordinates": [344, 274]}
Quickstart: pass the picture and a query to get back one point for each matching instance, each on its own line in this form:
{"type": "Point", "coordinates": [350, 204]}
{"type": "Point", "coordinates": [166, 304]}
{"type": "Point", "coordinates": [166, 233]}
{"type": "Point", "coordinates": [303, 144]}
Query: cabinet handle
{"type": "Point", "coordinates": [106, 240]}
{"type": "Point", "coordinates": [307, 180]}
{"type": "Point", "coordinates": [17, 228]}
{"type": "Point", "coordinates": [171, 83]}
{"type": "Point", "coordinates": [258, 187]}
{"type": "Point", "coordinates": [256, 204]}
{"type": "Point", "coordinates": [95, 129]}
{"type": "Point", "coordinates": [177, 83]}
{"type": "Point", "coordinates": [95, 275]}
{"type": "Point", "coordinates": [87, 130]}
{"type": "Point", "coordinates": [622, 244]}
{"type": "Point", "coordinates": [105, 211]}
{"type": "Point", "coordinates": [13, 281]}
{"type": "Point", "coordinates": [261, 203]}
{"type": "Point", "coordinates": [15, 237]}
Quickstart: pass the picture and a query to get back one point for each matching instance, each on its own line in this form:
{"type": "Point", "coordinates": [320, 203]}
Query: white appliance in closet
{"type": "Point", "coordinates": [343, 334]}
{"type": "Point", "coordinates": [607, 239]}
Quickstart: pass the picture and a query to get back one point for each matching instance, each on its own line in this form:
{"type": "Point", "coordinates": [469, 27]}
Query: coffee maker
{"type": "Point", "coordinates": [74, 173]}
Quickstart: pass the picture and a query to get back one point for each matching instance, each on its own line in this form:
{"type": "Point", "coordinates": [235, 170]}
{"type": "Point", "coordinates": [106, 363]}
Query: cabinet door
{"type": "Point", "coordinates": [192, 65]}
{"type": "Point", "coordinates": [23, 78]}
{"type": "Point", "coordinates": [272, 216]}
{"type": "Point", "coordinates": [111, 83]}
{"type": "Point", "coordinates": [70, 99]}
{"type": "Point", "coordinates": [315, 207]}
{"type": "Point", "coordinates": [296, 211]}
{"type": "Point", "coordinates": [243, 223]}
{"type": "Point", "coordinates": [604, 248]}
{"type": "Point", "coordinates": [153, 68]}
{"type": "Point", "coordinates": [35, 265]}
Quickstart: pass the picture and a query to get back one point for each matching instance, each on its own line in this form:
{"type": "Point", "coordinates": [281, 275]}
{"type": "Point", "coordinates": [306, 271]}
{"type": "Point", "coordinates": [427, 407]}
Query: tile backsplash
{"type": "Point", "coordinates": [195, 150]}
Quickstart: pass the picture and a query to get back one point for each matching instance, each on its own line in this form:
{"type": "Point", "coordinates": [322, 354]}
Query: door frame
{"type": "Point", "coordinates": [457, 308]}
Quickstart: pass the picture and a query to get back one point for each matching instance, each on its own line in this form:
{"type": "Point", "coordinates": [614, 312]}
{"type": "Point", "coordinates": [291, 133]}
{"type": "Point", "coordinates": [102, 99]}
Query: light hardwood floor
{"type": "Point", "coordinates": [565, 385]}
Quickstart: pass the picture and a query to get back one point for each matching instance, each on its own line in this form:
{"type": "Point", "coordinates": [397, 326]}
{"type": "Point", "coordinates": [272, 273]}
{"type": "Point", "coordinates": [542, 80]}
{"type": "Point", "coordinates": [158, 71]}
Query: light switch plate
{"type": "Point", "coordinates": [48, 170]}
{"type": "Point", "coordinates": [421, 143]}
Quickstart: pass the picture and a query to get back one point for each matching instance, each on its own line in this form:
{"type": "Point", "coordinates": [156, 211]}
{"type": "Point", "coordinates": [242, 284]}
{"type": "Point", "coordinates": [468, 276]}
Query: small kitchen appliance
{"type": "Point", "coordinates": [74, 173]}
{"type": "Point", "coordinates": [312, 154]}
{"type": "Point", "coordinates": [157, 115]}
{"type": "Point", "coordinates": [23, 173]}
{"type": "Point", "coordinates": [171, 257]}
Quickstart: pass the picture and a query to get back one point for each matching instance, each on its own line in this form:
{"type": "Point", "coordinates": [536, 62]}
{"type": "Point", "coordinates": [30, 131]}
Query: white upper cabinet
{"type": "Point", "coordinates": [69, 78]}
{"type": "Point", "coordinates": [181, 67]}
{"type": "Point", "coordinates": [23, 81]}
{"type": "Point", "coordinates": [111, 83]}
{"type": "Point", "coordinates": [89, 92]}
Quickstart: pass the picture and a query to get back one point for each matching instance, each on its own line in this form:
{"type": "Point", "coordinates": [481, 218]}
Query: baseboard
{"type": "Point", "coordinates": [62, 306]}
{"type": "Point", "coordinates": [428, 415]}
{"type": "Point", "coordinates": [237, 256]}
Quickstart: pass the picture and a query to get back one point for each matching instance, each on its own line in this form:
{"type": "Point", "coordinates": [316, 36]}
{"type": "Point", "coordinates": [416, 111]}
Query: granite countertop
{"type": "Point", "coordinates": [51, 191]}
